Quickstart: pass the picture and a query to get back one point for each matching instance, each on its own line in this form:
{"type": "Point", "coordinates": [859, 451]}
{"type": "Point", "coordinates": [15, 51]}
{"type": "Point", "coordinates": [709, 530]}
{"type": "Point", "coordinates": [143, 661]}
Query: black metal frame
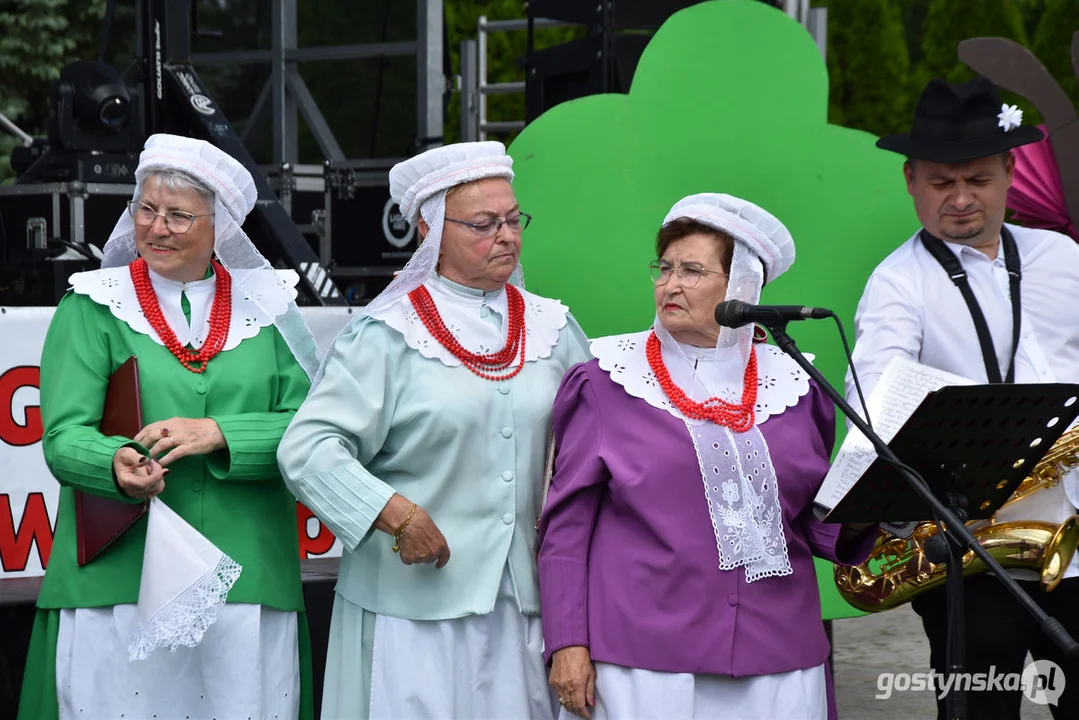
{"type": "Point", "coordinates": [177, 101]}
{"type": "Point", "coordinates": [951, 547]}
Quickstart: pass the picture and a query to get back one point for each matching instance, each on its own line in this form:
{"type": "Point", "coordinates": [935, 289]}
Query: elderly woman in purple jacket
{"type": "Point", "coordinates": [677, 542]}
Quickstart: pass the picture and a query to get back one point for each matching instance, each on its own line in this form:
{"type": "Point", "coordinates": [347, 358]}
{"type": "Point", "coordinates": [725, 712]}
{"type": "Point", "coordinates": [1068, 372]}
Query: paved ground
{"type": "Point", "coordinates": [887, 642]}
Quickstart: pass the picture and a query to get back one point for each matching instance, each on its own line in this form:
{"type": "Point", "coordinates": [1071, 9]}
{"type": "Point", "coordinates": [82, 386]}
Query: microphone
{"type": "Point", "coordinates": [735, 313]}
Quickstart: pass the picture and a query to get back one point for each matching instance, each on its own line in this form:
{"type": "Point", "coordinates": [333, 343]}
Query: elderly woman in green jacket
{"type": "Point", "coordinates": [223, 360]}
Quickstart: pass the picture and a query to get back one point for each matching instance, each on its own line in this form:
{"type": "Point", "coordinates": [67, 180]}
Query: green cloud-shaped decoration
{"type": "Point", "coordinates": [729, 96]}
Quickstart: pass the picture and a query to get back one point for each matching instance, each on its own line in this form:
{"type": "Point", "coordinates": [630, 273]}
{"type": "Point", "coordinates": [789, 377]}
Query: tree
{"type": "Point", "coordinates": [370, 104]}
{"type": "Point", "coordinates": [1031, 11]}
{"type": "Point", "coordinates": [868, 66]}
{"type": "Point", "coordinates": [914, 12]}
{"type": "Point", "coordinates": [947, 23]}
{"type": "Point", "coordinates": [38, 41]}
{"type": "Point", "coordinates": [1052, 42]}
{"type": "Point", "coordinates": [504, 51]}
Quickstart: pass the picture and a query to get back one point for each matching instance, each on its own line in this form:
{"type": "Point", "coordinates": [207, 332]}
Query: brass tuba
{"type": "Point", "coordinates": [897, 569]}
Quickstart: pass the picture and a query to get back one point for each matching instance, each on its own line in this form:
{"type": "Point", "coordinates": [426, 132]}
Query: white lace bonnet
{"type": "Point", "coordinates": [235, 195]}
{"type": "Point", "coordinates": [419, 186]}
{"type": "Point", "coordinates": [763, 247]}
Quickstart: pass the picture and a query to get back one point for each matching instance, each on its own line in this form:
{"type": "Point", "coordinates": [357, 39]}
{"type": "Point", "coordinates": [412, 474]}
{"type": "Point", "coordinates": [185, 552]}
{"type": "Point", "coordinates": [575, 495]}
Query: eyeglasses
{"type": "Point", "coordinates": [177, 221]}
{"type": "Point", "coordinates": [689, 272]}
{"type": "Point", "coordinates": [489, 228]}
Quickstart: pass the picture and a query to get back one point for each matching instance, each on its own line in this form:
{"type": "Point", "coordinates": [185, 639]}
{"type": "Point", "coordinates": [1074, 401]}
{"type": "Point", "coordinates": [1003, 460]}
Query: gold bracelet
{"type": "Point", "coordinates": [397, 533]}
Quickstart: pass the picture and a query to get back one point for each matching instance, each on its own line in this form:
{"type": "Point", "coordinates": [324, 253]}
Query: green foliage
{"type": "Point", "coordinates": [860, 43]}
{"type": "Point", "coordinates": [1052, 42]}
{"type": "Point", "coordinates": [868, 66]}
{"type": "Point", "coordinates": [913, 13]}
{"type": "Point", "coordinates": [947, 23]}
{"type": "Point", "coordinates": [1031, 11]}
{"type": "Point", "coordinates": [40, 37]}
{"type": "Point", "coordinates": [370, 104]}
{"type": "Point", "coordinates": [505, 51]}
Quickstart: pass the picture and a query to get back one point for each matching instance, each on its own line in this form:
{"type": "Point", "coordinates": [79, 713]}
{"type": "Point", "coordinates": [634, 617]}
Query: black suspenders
{"type": "Point", "coordinates": [950, 263]}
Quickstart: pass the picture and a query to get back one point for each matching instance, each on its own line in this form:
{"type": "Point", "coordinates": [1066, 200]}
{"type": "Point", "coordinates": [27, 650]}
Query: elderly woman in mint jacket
{"type": "Point", "coordinates": [422, 447]}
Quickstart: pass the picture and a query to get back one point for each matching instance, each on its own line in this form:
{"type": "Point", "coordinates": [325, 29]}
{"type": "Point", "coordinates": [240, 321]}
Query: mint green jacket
{"type": "Point", "coordinates": [470, 451]}
{"type": "Point", "coordinates": [235, 497]}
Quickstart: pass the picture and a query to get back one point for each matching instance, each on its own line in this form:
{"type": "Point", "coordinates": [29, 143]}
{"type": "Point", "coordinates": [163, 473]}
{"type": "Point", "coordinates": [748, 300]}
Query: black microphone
{"type": "Point", "coordinates": [735, 313]}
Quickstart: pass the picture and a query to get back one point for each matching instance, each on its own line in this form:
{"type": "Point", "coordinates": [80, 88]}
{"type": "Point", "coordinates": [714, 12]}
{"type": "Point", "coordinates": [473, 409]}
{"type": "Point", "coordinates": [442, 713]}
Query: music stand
{"type": "Point", "coordinates": [951, 476]}
{"type": "Point", "coordinates": [973, 444]}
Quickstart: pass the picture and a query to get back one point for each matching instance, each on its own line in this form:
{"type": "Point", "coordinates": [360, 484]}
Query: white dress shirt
{"type": "Point", "coordinates": [911, 308]}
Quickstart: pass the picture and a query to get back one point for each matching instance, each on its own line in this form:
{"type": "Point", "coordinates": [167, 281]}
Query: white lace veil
{"type": "Point", "coordinates": [736, 469]}
{"type": "Point", "coordinates": [419, 186]}
{"type": "Point", "coordinates": [234, 197]}
{"type": "Point", "coordinates": [761, 243]}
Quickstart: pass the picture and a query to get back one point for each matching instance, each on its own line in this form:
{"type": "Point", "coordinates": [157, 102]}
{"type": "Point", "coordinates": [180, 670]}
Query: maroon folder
{"type": "Point", "coordinates": [100, 521]}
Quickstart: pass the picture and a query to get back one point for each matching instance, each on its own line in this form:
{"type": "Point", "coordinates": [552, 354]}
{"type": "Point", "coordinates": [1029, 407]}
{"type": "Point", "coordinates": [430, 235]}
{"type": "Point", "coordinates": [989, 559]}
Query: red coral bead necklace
{"type": "Point", "coordinates": [486, 366]}
{"type": "Point", "coordinates": [739, 418]}
{"type": "Point", "coordinates": [220, 316]}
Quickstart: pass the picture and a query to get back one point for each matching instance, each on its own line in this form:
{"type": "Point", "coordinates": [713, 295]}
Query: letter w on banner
{"type": "Point", "coordinates": [28, 492]}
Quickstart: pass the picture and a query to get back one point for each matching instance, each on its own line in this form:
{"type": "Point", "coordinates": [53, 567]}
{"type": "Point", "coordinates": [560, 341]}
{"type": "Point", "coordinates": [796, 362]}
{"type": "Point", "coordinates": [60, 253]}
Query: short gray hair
{"type": "Point", "coordinates": [177, 180]}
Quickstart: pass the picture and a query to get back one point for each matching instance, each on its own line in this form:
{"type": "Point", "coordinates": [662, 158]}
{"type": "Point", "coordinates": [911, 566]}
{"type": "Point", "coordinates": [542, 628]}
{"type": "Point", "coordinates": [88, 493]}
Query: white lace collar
{"type": "Point", "coordinates": [780, 382]}
{"type": "Point", "coordinates": [113, 288]}
{"type": "Point", "coordinates": [740, 484]}
{"type": "Point", "coordinates": [477, 319]}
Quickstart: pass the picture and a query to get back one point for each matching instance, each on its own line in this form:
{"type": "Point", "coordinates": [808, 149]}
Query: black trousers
{"type": "Point", "coordinates": [999, 632]}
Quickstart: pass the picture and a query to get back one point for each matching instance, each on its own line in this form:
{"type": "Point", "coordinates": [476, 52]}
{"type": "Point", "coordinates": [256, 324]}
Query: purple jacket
{"type": "Point", "coordinates": [628, 564]}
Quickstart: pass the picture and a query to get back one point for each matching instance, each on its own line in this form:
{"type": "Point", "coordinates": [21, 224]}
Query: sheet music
{"type": "Point", "coordinates": [901, 388]}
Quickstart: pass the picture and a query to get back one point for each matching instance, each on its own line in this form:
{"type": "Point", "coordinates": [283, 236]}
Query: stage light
{"type": "Point", "coordinates": [91, 108]}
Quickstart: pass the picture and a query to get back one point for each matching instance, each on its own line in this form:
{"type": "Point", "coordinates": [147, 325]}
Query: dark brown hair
{"type": "Point", "coordinates": [684, 227]}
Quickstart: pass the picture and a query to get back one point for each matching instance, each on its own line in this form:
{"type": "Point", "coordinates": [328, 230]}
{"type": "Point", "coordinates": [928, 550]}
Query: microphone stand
{"type": "Point", "coordinates": [958, 538]}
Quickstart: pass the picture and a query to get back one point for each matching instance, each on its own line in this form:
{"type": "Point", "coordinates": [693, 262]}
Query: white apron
{"type": "Point", "coordinates": [631, 694]}
{"type": "Point", "coordinates": [247, 666]}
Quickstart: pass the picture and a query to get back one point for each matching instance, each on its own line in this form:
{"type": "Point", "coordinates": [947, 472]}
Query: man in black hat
{"type": "Point", "coordinates": [975, 296]}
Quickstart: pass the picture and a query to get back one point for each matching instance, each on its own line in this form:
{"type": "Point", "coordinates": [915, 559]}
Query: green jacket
{"type": "Point", "coordinates": [235, 497]}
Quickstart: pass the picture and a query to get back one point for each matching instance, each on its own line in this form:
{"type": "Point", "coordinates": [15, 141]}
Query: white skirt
{"type": "Point", "coordinates": [478, 667]}
{"type": "Point", "coordinates": [247, 666]}
{"type": "Point", "coordinates": [630, 694]}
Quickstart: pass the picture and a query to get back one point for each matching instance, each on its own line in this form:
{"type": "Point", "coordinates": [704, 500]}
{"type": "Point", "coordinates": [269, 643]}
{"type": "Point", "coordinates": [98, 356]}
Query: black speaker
{"type": "Point", "coordinates": [16, 623]}
{"type": "Point", "coordinates": [564, 72]}
{"type": "Point", "coordinates": [604, 61]}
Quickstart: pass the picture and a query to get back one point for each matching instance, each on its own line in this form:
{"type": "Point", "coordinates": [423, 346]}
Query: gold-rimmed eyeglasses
{"type": "Point", "coordinates": [688, 272]}
{"type": "Point", "coordinates": [177, 221]}
{"type": "Point", "coordinates": [489, 228]}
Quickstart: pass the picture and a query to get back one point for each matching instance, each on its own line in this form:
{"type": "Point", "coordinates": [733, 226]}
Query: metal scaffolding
{"type": "Point", "coordinates": [475, 88]}
{"type": "Point", "coordinates": [288, 97]}
{"type": "Point", "coordinates": [474, 85]}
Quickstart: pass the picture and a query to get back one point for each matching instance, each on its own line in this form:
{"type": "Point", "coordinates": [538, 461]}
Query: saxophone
{"type": "Point", "coordinates": [897, 569]}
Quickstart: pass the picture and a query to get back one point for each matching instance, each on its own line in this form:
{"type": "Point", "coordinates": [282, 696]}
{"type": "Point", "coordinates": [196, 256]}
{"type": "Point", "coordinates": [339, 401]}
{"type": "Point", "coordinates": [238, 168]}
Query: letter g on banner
{"type": "Point", "coordinates": [1043, 682]}
{"type": "Point", "coordinates": [12, 431]}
